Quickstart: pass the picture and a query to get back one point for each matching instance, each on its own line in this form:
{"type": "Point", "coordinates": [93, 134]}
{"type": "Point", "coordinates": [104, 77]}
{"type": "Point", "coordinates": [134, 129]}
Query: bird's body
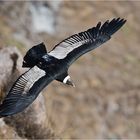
{"type": "Point", "coordinates": [48, 66]}
{"type": "Point", "coordinates": [53, 66]}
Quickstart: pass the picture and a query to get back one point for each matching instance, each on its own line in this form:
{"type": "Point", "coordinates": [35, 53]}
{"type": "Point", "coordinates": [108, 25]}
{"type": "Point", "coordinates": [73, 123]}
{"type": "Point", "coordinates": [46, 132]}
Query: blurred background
{"type": "Point", "coordinates": [106, 100]}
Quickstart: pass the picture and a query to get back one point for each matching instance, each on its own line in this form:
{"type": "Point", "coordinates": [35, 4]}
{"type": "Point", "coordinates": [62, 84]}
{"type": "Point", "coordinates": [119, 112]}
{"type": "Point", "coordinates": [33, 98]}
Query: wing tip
{"type": "Point", "coordinates": [109, 27]}
{"type": "Point", "coordinates": [114, 25]}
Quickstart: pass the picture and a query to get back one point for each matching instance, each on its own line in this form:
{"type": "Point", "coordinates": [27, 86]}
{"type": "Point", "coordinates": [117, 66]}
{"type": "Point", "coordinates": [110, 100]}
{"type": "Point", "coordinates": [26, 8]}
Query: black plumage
{"type": "Point", "coordinates": [46, 67]}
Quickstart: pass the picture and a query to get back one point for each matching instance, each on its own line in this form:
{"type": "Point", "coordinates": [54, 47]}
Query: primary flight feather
{"type": "Point", "coordinates": [46, 67]}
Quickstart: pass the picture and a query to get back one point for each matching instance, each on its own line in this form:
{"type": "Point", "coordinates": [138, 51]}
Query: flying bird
{"type": "Point", "coordinates": [44, 67]}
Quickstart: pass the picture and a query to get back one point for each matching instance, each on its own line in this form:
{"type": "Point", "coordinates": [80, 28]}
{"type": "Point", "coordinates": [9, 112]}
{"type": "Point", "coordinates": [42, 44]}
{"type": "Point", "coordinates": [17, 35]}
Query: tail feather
{"type": "Point", "coordinates": [33, 56]}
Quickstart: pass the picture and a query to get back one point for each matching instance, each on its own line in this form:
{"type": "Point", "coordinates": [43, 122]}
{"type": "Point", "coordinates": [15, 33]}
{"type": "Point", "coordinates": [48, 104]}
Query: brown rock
{"type": "Point", "coordinates": [31, 122]}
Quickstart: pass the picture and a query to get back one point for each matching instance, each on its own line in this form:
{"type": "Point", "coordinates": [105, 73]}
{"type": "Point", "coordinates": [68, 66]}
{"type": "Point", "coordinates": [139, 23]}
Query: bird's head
{"type": "Point", "coordinates": [67, 80]}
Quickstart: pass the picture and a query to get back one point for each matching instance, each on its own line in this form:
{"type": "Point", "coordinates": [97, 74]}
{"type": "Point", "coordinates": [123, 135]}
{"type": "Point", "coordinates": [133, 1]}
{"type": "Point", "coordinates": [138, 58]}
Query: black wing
{"type": "Point", "coordinates": [73, 47]}
{"type": "Point", "coordinates": [24, 91]}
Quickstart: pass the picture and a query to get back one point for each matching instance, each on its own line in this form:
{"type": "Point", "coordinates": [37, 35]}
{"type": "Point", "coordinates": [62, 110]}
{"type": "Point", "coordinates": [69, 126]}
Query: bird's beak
{"type": "Point", "coordinates": [70, 82]}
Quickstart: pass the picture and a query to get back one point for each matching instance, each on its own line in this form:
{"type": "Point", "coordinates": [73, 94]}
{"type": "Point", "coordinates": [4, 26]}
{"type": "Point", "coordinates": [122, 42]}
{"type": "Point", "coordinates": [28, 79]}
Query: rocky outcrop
{"type": "Point", "coordinates": [31, 122]}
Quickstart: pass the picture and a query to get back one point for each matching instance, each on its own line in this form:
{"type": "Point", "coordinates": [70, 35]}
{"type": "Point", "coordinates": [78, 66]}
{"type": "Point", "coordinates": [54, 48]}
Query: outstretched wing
{"type": "Point", "coordinates": [73, 47]}
{"type": "Point", "coordinates": [24, 91]}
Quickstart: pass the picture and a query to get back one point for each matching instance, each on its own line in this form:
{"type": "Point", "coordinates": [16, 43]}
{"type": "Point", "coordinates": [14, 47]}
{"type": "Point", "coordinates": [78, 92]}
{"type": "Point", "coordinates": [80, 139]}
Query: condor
{"type": "Point", "coordinates": [46, 67]}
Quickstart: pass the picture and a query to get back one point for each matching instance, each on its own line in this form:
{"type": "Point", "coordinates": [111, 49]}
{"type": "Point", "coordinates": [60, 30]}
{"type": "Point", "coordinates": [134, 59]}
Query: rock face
{"type": "Point", "coordinates": [33, 118]}
{"type": "Point", "coordinates": [7, 132]}
{"type": "Point", "coordinates": [10, 70]}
